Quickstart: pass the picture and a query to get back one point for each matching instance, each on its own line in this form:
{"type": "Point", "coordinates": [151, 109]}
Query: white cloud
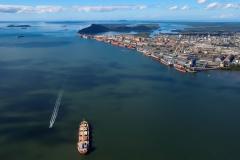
{"type": "Point", "coordinates": [13, 8]}
{"type": "Point", "coordinates": [54, 9]}
{"type": "Point", "coordinates": [185, 7]}
{"type": "Point", "coordinates": [173, 8]}
{"type": "Point", "coordinates": [29, 9]}
{"type": "Point", "coordinates": [108, 8]}
{"type": "Point", "coordinates": [231, 6]}
{"type": "Point", "coordinates": [214, 5]}
{"type": "Point", "coordinates": [48, 9]}
{"type": "Point", "coordinates": [201, 1]}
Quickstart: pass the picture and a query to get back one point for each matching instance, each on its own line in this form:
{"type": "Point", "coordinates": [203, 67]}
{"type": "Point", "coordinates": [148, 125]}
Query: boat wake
{"type": "Point", "coordinates": [56, 108]}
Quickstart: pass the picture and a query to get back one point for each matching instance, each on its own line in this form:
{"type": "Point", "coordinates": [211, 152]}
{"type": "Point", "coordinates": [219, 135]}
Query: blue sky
{"type": "Point", "coordinates": [190, 10]}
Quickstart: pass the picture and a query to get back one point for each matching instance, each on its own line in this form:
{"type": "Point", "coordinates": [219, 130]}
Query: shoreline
{"type": "Point", "coordinates": [172, 55]}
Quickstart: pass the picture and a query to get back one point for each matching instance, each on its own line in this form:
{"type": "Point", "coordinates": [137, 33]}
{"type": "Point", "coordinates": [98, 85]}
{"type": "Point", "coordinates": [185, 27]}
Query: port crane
{"type": "Point", "coordinates": [178, 46]}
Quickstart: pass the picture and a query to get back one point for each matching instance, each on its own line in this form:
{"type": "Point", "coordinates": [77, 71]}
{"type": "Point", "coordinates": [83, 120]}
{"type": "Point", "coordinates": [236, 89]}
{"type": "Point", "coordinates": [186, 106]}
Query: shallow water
{"type": "Point", "coordinates": [138, 108]}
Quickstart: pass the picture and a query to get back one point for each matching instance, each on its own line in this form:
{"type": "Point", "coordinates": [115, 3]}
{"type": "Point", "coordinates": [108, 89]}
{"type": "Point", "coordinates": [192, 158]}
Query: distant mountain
{"type": "Point", "coordinates": [94, 29]}
{"type": "Point", "coordinates": [101, 28]}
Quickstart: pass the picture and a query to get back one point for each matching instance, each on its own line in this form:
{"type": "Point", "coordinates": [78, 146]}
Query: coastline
{"type": "Point", "coordinates": [175, 58]}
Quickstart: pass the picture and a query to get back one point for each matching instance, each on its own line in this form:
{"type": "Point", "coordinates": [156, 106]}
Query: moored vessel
{"type": "Point", "coordinates": [166, 62]}
{"type": "Point", "coordinates": [180, 68]}
{"type": "Point", "coordinates": [83, 138]}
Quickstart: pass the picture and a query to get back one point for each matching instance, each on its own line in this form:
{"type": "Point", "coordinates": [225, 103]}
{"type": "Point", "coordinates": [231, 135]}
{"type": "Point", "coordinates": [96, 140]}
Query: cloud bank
{"type": "Point", "coordinates": [29, 9]}
{"type": "Point", "coordinates": [54, 9]}
{"type": "Point", "coordinates": [108, 8]}
{"type": "Point", "coordinates": [203, 5]}
{"type": "Point", "coordinates": [183, 8]}
{"type": "Point", "coordinates": [216, 5]}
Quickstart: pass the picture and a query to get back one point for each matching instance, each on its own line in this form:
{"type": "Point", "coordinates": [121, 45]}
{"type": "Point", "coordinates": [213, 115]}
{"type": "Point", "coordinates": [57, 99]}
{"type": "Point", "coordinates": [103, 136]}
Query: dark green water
{"type": "Point", "coordinates": [139, 109]}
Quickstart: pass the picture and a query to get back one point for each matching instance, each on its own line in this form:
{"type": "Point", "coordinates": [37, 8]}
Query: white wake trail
{"type": "Point", "coordinates": [56, 108]}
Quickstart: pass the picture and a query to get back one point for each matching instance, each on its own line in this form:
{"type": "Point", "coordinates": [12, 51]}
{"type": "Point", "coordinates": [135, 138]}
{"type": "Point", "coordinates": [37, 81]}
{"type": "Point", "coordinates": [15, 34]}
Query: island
{"type": "Point", "coordinates": [19, 26]}
{"type": "Point", "coordinates": [102, 28]}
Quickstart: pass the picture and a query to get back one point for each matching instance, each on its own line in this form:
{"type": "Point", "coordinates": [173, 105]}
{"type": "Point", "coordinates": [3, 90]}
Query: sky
{"type": "Point", "coordinates": [69, 10]}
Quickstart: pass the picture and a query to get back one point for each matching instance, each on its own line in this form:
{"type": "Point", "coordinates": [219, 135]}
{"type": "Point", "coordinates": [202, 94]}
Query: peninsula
{"type": "Point", "coordinates": [185, 51]}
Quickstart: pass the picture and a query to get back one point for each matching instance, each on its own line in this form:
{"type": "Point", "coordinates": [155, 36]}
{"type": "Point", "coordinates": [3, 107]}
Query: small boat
{"type": "Point", "coordinates": [83, 138]}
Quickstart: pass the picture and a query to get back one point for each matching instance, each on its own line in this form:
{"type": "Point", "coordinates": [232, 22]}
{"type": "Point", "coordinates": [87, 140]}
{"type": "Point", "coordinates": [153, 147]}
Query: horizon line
{"type": "Point", "coordinates": [220, 21]}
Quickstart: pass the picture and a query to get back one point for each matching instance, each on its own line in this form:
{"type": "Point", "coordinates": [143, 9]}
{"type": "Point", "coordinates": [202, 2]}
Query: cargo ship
{"type": "Point", "coordinates": [180, 68]}
{"type": "Point", "coordinates": [83, 138]}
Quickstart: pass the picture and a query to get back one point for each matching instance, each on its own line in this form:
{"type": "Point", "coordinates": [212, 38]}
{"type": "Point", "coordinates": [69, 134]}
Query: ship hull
{"type": "Point", "coordinates": [180, 68]}
{"type": "Point", "coordinates": [83, 144]}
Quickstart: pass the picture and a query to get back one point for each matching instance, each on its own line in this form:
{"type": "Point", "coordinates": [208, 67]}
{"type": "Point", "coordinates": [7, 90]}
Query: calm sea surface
{"type": "Point", "coordinates": [138, 109]}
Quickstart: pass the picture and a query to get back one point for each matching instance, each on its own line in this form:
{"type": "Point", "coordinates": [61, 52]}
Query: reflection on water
{"type": "Point", "coordinates": [138, 108]}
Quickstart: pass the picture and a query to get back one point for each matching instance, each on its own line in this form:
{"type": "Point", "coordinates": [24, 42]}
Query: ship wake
{"type": "Point", "coordinates": [56, 108]}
